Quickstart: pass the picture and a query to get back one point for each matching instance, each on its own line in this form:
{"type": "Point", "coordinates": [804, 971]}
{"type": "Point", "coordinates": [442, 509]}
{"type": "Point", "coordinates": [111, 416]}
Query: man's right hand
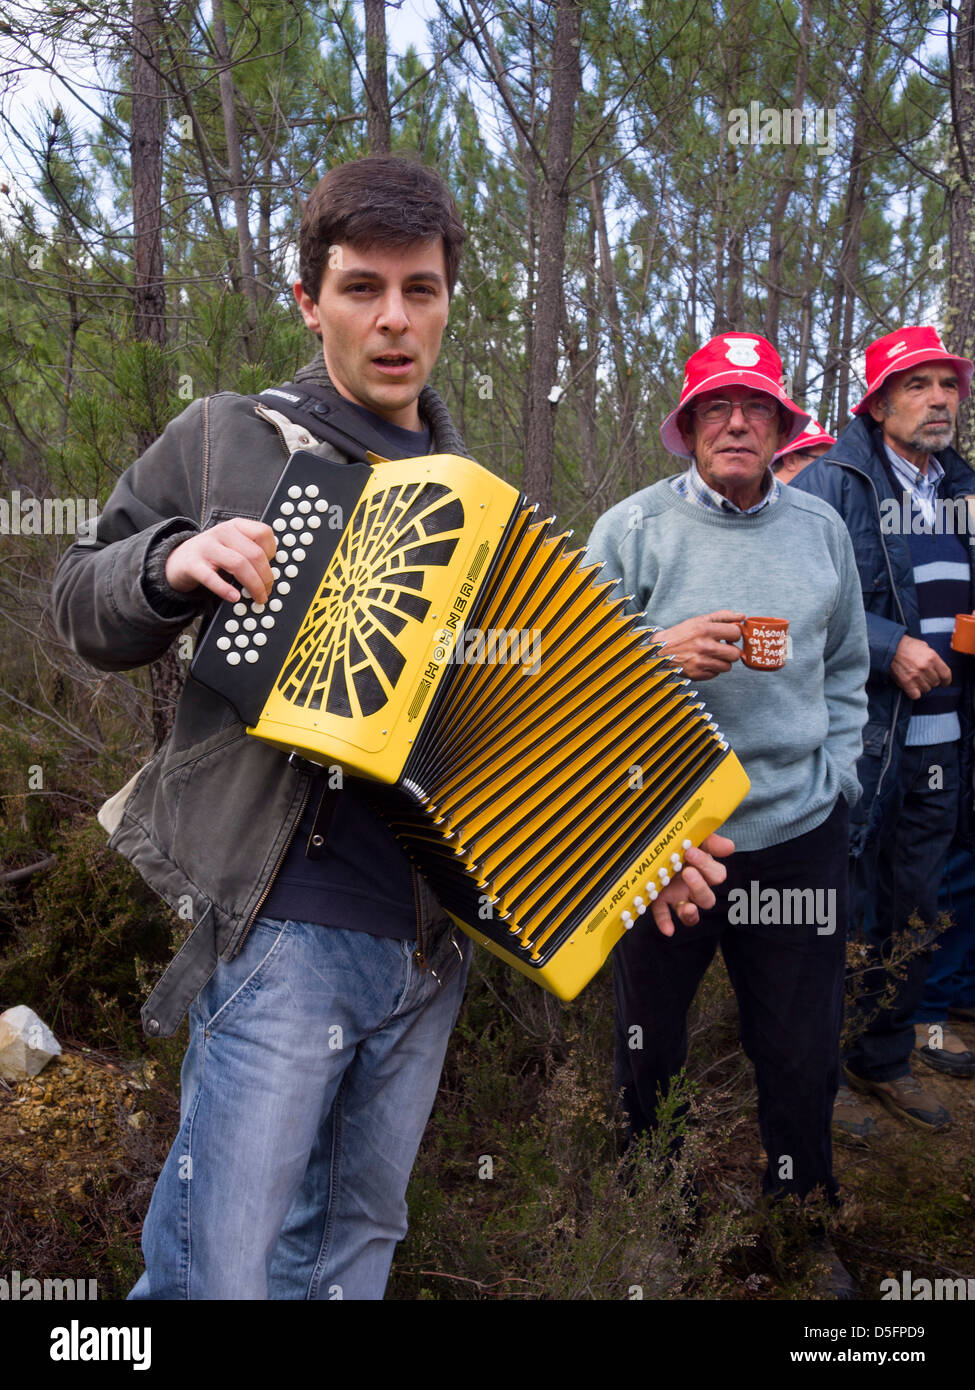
{"type": "Point", "coordinates": [241, 547]}
{"type": "Point", "coordinates": [917, 668]}
{"type": "Point", "coordinates": [704, 646]}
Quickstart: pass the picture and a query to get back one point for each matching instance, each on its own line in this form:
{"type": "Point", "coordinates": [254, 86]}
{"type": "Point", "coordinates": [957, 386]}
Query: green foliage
{"type": "Point", "coordinates": [690, 222]}
{"type": "Point", "coordinates": [83, 940]}
{"type": "Point", "coordinates": [518, 1191]}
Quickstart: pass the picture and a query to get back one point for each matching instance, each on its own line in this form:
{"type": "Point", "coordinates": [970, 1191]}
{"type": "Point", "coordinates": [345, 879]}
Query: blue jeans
{"type": "Point", "coordinates": [313, 1064]}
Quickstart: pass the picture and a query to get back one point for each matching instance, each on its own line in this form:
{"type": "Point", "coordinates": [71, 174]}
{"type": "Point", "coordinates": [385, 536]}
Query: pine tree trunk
{"type": "Point", "coordinates": [787, 185]}
{"type": "Point", "coordinates": [235, 165]}
{"type": "Point", "coordinates": [609, 296]}
{"type": "Point", "coordinates": [377, 86]}
{"type": "Point", "coordinates": [566, 84]}
{"type": "Point", "coordinates": [841, 319]}
{"type": "Point", "coordinates": [146, 149]}
{"type": "Point", "coordinates": [168, 673]}
{"type": "Point", "coordinates": [959, 326]}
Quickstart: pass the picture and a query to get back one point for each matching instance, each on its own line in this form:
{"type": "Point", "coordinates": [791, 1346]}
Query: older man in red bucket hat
{"type": "Point", "coordinates": [902, 490]}
{"type": "Point", "coordinates": [699, 553]}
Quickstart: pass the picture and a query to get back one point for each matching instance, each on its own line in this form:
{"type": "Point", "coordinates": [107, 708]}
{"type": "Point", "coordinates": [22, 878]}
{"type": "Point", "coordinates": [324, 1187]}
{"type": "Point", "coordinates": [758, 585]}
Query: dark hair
{"type": "Point", "coordinates": [383, 200]}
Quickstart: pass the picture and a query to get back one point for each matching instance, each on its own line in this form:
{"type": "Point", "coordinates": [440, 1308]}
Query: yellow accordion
{"type": "Point", "coordinates": [542, 765]}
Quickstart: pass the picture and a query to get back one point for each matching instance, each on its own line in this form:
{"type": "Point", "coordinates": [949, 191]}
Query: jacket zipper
{"type": "Point", "coordinates": [419, 955]}
{"type": "Point", "coordinates": [897, 600]}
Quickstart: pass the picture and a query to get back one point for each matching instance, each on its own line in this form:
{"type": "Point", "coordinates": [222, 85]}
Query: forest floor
{"type": "Point", "coordinates": [81, 1143]}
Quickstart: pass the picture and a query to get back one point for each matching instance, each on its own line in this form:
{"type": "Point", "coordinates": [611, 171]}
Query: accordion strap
{"type": "Point", "coordinates": [326, 414]}
{"type": "Point", "coordinates": [329, 416]}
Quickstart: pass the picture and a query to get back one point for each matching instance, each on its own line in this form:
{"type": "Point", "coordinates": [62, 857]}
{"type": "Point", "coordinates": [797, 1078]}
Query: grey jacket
{"type": "Point", "coordinates": [208, 821]}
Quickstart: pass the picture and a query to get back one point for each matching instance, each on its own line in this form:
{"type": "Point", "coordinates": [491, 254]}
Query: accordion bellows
{"type": "Point", "coordinates": [540, 762]}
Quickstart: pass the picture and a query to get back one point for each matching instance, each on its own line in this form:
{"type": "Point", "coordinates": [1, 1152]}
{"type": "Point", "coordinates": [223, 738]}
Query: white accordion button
{"type": "Point", "coordinates": [233, 658]}
{"type": "Point", "coordinates": [288, 538]}
{"type": "Point", "coordinates": [321, 505]}
{"type": "Point", "coordinates": [249, 624]}
{"type": "Point", "coordinates": [251, 656]}
{"type": "Point", "coordinates": [283, 588]}
{"type": "Point", "coordinates": [315, 521]}
{"type": "Point", "coordinates": [240, 609]}
{"type": "Point", "coordinates": [267, 622]}
{"type": "Point", "coordinates": [298, 553]}
{"type": "Point", "coordinates": [627, 920]}
{"type": "Point", "coordinates": [223, 643]}
{"type": "Point", "coordinates": [306, 538]}
{"type": "Point", "coordinates": [257, 607]}
{"type": "Point", "coordinates": [280, 556]}
{"type": "Point", "coordinates": [231, 625]}
{"type": "Point", "coordinates": [304, 507]}
{"type": "Point", "coordinates": [261, 637]}
{"type": "Point", "coordinates": [294, 491]}
{"type": "Point", "coordinates": [275, 572]}
{"type": "Point", "coordinates": [291, 571]}
{"type": "Point", "coordinates": [278, 524]}
{"type": "Point", "coordinates": [287, 508]}
{"type": "Point", "coordinates": [311, 490]}
{"type": "Point", "coordinates": [275, 606]}
{"type": "Point", "coordinates": [242, 640]}
{"type": "Point", "coordinates": [687, 844]}
{"type": "Point", "coordinates": [641, 906]}
{"type": "Point", "coordinates": [675, 859]}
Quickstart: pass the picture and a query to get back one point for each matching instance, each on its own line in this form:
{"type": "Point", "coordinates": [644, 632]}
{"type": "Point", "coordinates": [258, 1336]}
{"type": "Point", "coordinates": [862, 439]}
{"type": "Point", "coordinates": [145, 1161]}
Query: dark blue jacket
{"type": "Point", "coordinates": [853, 479]}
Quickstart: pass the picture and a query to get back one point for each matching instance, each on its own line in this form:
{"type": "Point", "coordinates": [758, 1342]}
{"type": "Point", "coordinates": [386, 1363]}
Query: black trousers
{"type": "Point", "coordinates": [897, 875]}
{"type": "Point", "coordinates": [780, 920]}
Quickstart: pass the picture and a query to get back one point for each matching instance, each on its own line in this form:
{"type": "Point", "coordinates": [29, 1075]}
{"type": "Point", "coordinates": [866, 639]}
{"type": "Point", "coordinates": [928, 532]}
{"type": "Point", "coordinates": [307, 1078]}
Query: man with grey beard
{"type": "Point", "coordinates": [916, 575]}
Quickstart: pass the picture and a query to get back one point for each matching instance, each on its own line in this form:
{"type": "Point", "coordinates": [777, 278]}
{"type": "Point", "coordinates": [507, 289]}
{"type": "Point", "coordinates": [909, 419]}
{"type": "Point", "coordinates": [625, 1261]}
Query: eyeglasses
{"type": "Point", "coordinates": [719, 412]}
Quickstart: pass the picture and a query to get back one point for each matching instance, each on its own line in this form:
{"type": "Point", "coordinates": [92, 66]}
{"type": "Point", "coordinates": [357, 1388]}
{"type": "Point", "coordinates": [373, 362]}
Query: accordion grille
{"type": "Point", "coordinates": [540, 774]}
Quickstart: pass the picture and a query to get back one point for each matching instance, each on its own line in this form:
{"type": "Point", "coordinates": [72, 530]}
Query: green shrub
{"type": "Point", "coordinates": [84, 937]}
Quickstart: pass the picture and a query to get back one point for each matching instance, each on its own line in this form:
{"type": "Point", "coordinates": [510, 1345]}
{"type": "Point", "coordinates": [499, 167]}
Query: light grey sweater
{"type": "Point", "coordinates": [796, 730]}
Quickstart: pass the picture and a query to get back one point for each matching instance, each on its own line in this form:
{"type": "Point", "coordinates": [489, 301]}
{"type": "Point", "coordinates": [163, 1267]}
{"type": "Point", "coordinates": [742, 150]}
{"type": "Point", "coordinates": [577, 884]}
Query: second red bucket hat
{"type": "Point", "coordinates": [909, 347]}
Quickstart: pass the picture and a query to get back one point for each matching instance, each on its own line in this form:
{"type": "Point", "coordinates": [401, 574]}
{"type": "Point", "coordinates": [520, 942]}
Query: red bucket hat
{"type": "Point", "coordinates": [733, 359]}
{"type": "Point", "coordinates": [812, 435]}
{"type": "Point", "coordinates": [909, 347]}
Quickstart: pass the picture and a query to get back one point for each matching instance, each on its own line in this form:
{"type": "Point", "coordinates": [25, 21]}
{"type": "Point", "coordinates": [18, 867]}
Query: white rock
{"type": "Point", "coordinates": [26, 1044]}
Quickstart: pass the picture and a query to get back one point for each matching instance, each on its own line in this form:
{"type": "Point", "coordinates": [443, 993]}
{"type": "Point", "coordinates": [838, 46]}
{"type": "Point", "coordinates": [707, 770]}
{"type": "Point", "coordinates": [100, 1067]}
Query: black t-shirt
{"type": "Point", "coordinates": [363, 879]}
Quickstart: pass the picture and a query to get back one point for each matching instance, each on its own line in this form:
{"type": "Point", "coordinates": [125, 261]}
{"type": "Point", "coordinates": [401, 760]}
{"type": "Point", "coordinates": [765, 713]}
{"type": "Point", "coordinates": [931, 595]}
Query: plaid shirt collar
{"type": "Point", "coordinates": [693, 488]}
{"type": "Point", "coordinates": [923, 487]}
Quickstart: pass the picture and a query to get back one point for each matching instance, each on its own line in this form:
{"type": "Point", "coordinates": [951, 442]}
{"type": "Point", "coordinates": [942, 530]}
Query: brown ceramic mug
{"type": "Point", "coordinates": [963, 637]}
{"type": "Point", "coordinates": [764, 643]}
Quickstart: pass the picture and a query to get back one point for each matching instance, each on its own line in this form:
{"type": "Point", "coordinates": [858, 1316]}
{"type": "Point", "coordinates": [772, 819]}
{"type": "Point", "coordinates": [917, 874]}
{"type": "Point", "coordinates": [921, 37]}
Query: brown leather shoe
{"type": "Point", "coordinates": [941, 1048]}
{"type": "Point", "coordinates": [905, 1098]}
{"type": "Point", "coordinates": [852, 1120]}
